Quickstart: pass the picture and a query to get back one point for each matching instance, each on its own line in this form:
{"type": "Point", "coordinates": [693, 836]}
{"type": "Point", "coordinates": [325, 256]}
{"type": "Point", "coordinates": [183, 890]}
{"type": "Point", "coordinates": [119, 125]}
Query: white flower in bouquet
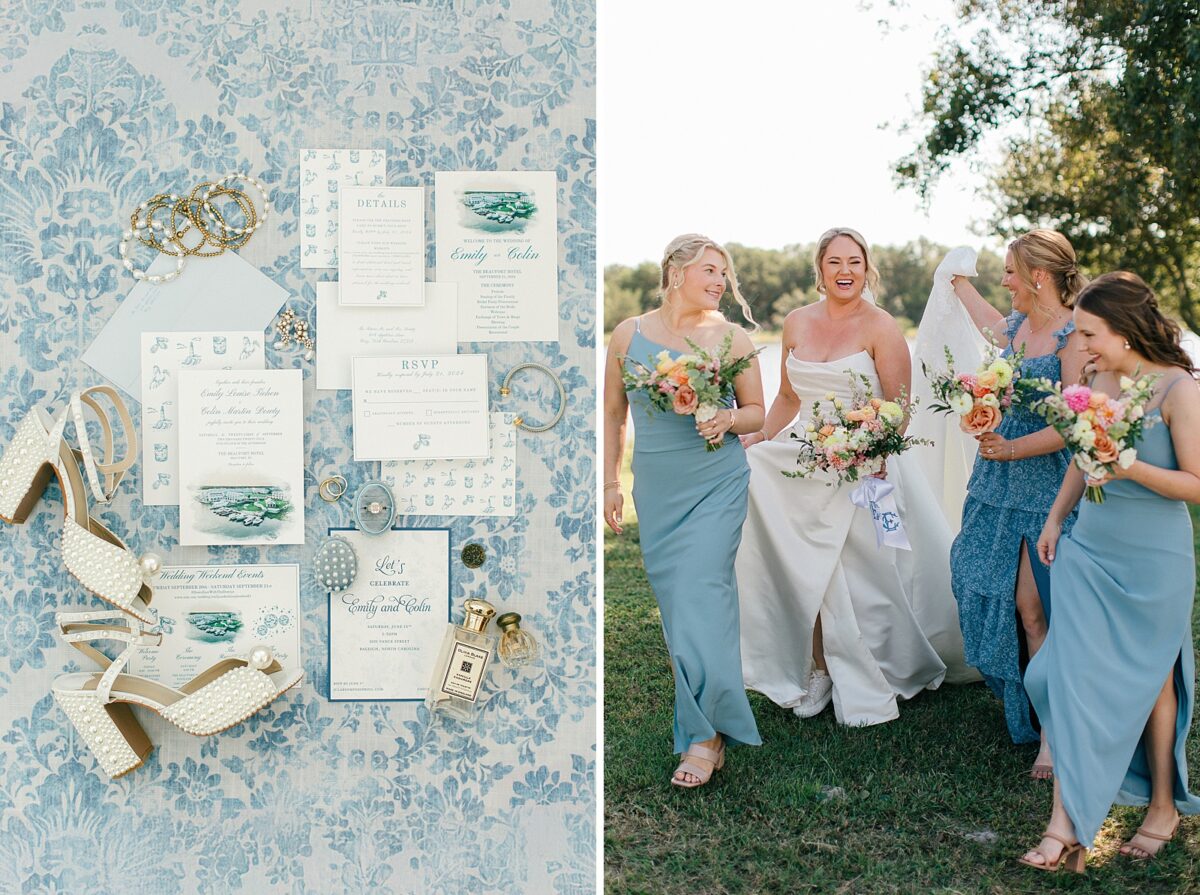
{"type": "Point", "coordinates": [1127, 457]}
{"type": "Point", "coordinates": [961, 403]}
{"type": "Point", "coordinates": [705, 412]}
{"type": "Point", "coordinates": [989, 400]}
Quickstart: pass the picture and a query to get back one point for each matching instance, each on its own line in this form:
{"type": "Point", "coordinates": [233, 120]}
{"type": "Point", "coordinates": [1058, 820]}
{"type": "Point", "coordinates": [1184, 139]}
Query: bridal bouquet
{"type": "Point", "coordinates": [980, 398]}
{"type": "Point", "coordinates": [1099, 430]}
{"type": "Point", "coordinates": [855, 440]}
{"type": "Point", "coordinates": [699, 384]}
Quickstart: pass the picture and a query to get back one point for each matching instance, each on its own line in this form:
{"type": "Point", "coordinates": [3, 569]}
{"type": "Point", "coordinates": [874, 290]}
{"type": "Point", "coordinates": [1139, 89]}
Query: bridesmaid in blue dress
{"type": "Point", "coordinates": [997, 578]}
{"type": "Point", "coordinates": [1113, 683]}
{"type": "Point", "coordinates": [691, 503]}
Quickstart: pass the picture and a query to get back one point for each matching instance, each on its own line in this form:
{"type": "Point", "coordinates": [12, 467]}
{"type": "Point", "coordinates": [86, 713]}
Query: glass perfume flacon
{"type": "Point", "coordinates": [463, 660]}
{"type": "Point", "coordinates": [517, 647]}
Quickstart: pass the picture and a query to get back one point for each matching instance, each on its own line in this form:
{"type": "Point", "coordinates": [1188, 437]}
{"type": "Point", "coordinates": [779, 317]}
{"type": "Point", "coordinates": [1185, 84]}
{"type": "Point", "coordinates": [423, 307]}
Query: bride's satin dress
{"type": "Point", "coordinates": [889, 620]}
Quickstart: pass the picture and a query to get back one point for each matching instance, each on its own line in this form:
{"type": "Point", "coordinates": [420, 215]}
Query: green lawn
{"type": "Point", "coordinates": [935, 802]}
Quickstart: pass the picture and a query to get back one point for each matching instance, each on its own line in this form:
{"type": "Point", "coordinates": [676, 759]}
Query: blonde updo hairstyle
{"type": "Point", "coordinates": [823, 246]}
{"type": "Point", "coordinates": [1052, 252]}
{"type": "Point", "coordinates": [684, 251]}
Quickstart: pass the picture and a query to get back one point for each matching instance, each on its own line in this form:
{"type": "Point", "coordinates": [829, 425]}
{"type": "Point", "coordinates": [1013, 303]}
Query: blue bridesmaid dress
{"type": "Point", "coordinates": [1007, 502]}
{"type": "Point", "coordinates": [1123, 583]}
{"type": "Point", "coordinates": [691, 504]}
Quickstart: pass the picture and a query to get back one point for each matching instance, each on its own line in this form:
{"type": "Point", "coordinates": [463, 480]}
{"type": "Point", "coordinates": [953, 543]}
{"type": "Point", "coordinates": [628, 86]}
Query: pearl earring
{"type": "Point", "coordinates": [677, 285]}
{"type": "Point", "coordinates": [1038, 285]}
{"type": "Point", "coordinates": [1127, 345]}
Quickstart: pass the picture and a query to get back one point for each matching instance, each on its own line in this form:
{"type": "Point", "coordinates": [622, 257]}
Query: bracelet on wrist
{"type": "Point", "coordinates": [612, 485]}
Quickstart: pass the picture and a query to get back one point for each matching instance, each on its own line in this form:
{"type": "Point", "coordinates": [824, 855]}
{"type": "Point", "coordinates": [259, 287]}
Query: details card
{"type": "Point", "coordinates": [323, 172]}
{"type": "Point", "coordinates": [385, 631]}
{"type": "Point", "coordinates": [497, 237]}
{"type": "Point", "coordinates": [366, 332]}
{"type": "Point", "coordinates": [211, 613]}
{"type": "Point", "coordinates": [164, 355]}
{"type": "Point", "coordinates": [426, 406]}
{"type": "Point", "coordinates": [381, 246]}
{"type": "Point", "coordinates": [241, 461]}
{"type": "Point", "coordinates": [484, 487]}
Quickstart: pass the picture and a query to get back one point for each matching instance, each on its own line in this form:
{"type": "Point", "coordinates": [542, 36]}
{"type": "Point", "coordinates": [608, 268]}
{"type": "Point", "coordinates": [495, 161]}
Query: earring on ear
{"type": "Point", "coordinates": [1038, 285]}
{"type": "Point", "coordinates": [678, 284]}
{"type": "Point", "coordinates": [1127, 345]}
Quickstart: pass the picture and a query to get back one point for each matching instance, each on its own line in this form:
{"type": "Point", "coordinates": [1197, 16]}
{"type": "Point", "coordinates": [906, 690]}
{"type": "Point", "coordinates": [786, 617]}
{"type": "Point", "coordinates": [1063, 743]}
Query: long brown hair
{"type": "Point", "coordinates": [1124, 301]}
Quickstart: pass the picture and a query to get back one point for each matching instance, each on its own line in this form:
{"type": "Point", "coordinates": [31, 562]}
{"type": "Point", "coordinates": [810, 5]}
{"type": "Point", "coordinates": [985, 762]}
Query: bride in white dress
{"type": "Point", "coordinates": [826, 614]}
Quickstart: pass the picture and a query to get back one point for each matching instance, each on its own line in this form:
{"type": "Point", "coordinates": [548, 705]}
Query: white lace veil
{"type": "Point", "coordinates": [945, 323]}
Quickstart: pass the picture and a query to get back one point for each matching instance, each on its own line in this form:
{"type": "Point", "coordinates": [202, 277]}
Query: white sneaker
{"type": "Point", "coordinates": [819, 695]}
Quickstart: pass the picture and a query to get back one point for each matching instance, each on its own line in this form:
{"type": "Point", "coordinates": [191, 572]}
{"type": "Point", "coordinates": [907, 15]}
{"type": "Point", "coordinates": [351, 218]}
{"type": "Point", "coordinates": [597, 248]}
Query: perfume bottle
{"type": "Point", "coordinates": [463, 660]}
{"type": "Point", "coordinates": [517, 646]}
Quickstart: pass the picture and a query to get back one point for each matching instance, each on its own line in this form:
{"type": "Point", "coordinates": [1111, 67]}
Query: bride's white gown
{"type": "Point", "coordinates": [889, 620]}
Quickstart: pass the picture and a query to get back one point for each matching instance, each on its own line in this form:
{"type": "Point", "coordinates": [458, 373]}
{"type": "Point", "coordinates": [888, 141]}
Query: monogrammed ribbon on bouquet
{"type": "Point", "coordinates": [875, 494]}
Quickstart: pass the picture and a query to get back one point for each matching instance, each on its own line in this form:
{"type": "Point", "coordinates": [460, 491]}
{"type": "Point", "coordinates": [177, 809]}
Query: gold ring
{"type": "Point", "coordinates": [332, 488]}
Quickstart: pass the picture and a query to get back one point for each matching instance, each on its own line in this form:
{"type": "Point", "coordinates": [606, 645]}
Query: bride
{"type": "Point", "coordinates": [827, 615]}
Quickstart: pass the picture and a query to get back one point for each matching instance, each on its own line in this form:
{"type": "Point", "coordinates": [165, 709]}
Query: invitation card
{"type": "Point", "coordinates": [386, 629]}
{"type": "Point", "coordinates": [210, 613]}
{"type": "Point", "coordinates": [427, 406]}
{"type": "Point", "coordinates": [163, 356]}
{"type": "Point", "coordinates": [485, 487]}
{"type": "Point", "coordinates": [497, 237]}
{"type": "Point", "coordinates": [212, 294]}
{"type": "Point", "coordinates": [371, 332]}
{"type": "Point", "coordinates": [381, 246]}
{"type": "Point", "coordinates": [241, 457]}
{"type": "Point", "coordinates": [323, 172]}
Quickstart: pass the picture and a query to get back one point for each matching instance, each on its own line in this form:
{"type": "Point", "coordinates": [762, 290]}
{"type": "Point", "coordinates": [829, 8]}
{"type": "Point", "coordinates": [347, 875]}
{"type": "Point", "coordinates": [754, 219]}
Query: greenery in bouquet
{"type": "Point", "coordinates": [980, 398]}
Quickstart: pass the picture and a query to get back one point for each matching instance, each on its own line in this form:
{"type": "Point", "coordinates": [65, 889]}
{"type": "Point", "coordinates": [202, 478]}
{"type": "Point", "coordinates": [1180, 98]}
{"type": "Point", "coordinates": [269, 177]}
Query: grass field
{"type": "Point", "coordinates": [935, 802]}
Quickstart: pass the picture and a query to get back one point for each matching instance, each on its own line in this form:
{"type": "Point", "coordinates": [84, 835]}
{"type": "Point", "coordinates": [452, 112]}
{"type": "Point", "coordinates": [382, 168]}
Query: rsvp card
{"type": "Point", "coordinates": [381, 246]}
{"type": "Point", "coordinates": [241, 461]}
{"type": "Point", "coordinates": [366, 332]}
{"type": "Point", "coordinates": [385, 632]}
{"type": "Point", "coordinates": [323, 172]}
{"type": "Point", "coordinates": [211, 613]}
{"type": "Point", "coordinates": [484, 487]}
{"type": "Point", "coordinates": [164, 355]}
{"type": "Point", "coordinates": [497, 237]}
{"type": "Point", "coordinates": [427, 406]}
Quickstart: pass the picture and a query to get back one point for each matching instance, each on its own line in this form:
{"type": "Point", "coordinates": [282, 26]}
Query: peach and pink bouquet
{"type": "Point", "coordinates": [696, 384]}
{"type": "Point", "coordinates": [979, 399]}
{"type": "Point", "coordinates": [1100, 431]}
{"type": "Point", "coordinates": [853, 440]}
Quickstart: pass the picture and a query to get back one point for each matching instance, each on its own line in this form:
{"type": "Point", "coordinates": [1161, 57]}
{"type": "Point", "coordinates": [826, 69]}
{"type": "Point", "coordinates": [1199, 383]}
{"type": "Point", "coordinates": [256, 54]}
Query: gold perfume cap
{"type": "Point", "coordinates": [509, 620]}
{"type": "Point", "coordinates": [479, 613]}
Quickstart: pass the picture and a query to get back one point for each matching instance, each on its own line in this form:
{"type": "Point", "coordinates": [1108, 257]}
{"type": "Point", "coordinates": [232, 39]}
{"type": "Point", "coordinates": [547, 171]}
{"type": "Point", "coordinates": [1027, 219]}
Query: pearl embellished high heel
{"type": "Point", "coordinates": [92, 553]}
{"type": "Point", "coordinates": [99, 706]}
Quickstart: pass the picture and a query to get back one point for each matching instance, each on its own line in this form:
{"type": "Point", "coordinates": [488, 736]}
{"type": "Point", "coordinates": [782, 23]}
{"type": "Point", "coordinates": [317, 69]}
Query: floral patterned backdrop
{"type": "Point", "coordinates": [106, 102]}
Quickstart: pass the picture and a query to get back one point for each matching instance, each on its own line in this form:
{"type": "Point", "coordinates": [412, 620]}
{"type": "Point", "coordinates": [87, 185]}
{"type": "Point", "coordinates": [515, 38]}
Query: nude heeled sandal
{"type": "Point", "coordinates": [1072, 856]}
{"type": "Point", "coordinates": [714, 759]}
{"type": "Point", "coordinates": [1149, 834]}
{"type": "Point", "coordinates": [91, 553]}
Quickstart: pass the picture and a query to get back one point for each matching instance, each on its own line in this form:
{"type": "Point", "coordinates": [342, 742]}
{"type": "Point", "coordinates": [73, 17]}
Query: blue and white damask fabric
{"type": "Point", "coordinates": [107, 102]}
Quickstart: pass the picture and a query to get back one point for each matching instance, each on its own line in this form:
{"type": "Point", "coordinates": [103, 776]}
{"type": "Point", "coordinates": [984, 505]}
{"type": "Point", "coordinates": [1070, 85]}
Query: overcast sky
{"type": "Point", "coordinates": [765, 123]}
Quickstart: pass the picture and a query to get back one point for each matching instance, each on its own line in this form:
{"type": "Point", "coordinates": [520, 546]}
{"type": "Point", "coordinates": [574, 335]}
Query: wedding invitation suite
{"type": "Point", "coordinates": [221, 293]}
{"type": "Point", "coordinates": [381, 246]}
{"type": "Point", "coordinates": [497, 238]}
{"type": "Point", "coordinates": [323, 172]}
{"type": "Point", "coordinates": [241, 457]}
{"type": "Point", "coordinates": [365, 332]}
{"type": "Point", "coordinates": [210, 613]}
{"type": "Point", "coordinates": [485, 487]}
{"type": "Point", "coordinates": [164, 355]}
{"type": "Point", "coordinates": [427, 406]}
{"type": "Point", "coordinates": [386, 629]}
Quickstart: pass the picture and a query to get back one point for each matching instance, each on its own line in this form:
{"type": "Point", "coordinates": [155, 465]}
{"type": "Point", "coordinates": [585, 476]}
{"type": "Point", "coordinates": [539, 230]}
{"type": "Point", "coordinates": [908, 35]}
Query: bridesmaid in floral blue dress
{"type": "Point", "coordinates": [996, 575]}
{"type": "Point", "coordinates": [691, 502]}
{"type": "Point", "coordinates": [1113, 683]}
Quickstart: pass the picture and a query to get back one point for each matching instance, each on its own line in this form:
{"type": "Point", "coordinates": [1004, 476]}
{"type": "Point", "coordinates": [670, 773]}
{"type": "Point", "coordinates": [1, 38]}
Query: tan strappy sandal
{"type": "Point", "coordinates": [1149, 834]}
{"type": "Point", "coordinates": [711, 760]}
{"type": "Point", "coordinates": [1072, 856]}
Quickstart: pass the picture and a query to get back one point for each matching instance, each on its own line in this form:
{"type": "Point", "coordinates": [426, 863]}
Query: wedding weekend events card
{"type": "Point", "coordinates": [386, 629]}
{"type": "Point", "coordinates": [221, 293]}
{"type": "Point", "coordinates": [241, 457]}
{"type": "Point", "coordinates": [163, 356]}
{"type": "Point", "coordinates": [426, 406]}
{"type": "Point", "coordinates": [381, 246]}
{"type": "Point", "coordinates": [371, 332]}
{"type": "Point", "coordinates": [484, 487]}
{"type": "Point", "coordinates": [323, 172]}
{"type": "Point", "coordinates": [211, 613]}
{"type": "Point", "coordinates": [497, 237]}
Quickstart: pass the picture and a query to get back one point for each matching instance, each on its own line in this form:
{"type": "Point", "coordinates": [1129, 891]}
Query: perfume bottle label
{"type": "Point", "coordinates": [464, 673]}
